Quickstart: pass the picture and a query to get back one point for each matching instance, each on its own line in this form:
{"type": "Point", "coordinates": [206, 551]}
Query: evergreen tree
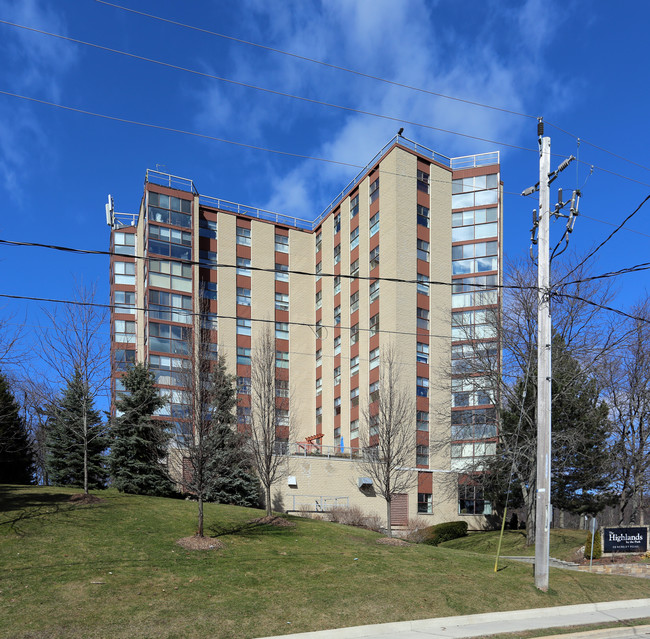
{"type": "Point", "coordinates": [76, 439]}
{"type": "Point", "coordinates": [138, 442]}
{"type": "Point", "coordinates": [232, 480]}
{"type": "Point", "coordinates": [16, 455]}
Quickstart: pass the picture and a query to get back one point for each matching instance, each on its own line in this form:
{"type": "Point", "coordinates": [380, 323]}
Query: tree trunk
{"type": "Point", "coordinates": [268, 499]}
{"type": "Point", "coordinates": [85, 450]}
{"type": "Point", "coordinates": [200, 530]}
{"type": "Point", "coordinates": [389, 529]}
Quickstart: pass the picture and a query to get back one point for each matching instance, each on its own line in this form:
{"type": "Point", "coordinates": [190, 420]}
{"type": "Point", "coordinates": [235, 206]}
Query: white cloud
{"type": "Point", "coordinates": [412, 42]}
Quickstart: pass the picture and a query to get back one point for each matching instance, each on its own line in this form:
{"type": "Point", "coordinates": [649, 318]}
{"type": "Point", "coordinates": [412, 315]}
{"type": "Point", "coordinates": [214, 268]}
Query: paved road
{"type": "Point", "coordinates": [496, 623]}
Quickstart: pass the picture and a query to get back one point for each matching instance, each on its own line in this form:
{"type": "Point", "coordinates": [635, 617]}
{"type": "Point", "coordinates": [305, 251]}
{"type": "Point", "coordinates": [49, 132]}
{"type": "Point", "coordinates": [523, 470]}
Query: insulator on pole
{"type": "Point", "coordinates": [540, 127]}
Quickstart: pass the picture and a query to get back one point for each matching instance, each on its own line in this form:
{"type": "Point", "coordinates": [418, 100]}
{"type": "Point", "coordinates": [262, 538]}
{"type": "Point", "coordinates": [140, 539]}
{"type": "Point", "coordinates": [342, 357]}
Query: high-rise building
{"type": "Point", "coordinates": [406, 257]}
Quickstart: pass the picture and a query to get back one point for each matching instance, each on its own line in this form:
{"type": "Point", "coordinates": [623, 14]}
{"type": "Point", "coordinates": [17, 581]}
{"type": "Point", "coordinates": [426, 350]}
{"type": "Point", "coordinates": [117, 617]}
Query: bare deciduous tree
{"type": "Point", "coordinates": [76, 341]}
{"type": "Point", "coordinates": [270, 417]}
{"type": "Point", "coordinates": [388, 434]}
{"type": "Point", "coordinates": [626, 379]}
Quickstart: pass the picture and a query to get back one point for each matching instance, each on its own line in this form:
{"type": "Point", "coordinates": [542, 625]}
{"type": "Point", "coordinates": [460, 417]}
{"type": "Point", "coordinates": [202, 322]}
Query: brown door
{"type": "Point", "coordinates": [399, 510]}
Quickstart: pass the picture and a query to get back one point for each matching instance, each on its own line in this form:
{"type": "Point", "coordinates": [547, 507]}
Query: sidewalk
{"type": "Point", "coordinates": [491, 623]}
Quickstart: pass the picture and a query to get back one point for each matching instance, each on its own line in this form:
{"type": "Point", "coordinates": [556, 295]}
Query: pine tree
{"type": "Point", "coordinates": [76, 440]}
{"type": "Point", "coordinates": [16, 455]}
{"type": "Point", "coordinates": [138, 442]}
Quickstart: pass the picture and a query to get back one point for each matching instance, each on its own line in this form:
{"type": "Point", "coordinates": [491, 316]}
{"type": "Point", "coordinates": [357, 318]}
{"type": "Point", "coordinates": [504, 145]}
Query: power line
{"type": "Point", "coordinates": [366, 75]}
{"type": "Point", "coordinates": [266, 90]}
{"type": "Point", "coordinates": [609, 237]}
{"type": "Point", "coordinates": [625, 228]}
{"type": "Point", "coordinates": [604, 307]}
{"type": "Point", "coordinates": [319, 62]}
{"type": "Point", "coordinates": [209, 265]}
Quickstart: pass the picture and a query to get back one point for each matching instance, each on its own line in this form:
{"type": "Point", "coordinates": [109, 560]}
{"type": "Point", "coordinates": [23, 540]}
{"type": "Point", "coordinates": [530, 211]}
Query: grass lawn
{"type": "Point", "coordinates": [563, 543]}
{"type": "Point", "coordinates": [113, 569]}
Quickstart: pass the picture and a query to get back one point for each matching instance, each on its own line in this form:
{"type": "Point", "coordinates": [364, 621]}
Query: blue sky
{"type": "Point", "coordinates": [582, 66]}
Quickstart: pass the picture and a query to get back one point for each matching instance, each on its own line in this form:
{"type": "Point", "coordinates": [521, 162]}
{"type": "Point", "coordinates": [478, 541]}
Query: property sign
{"type": "Point", "coordinates": [625, 539]}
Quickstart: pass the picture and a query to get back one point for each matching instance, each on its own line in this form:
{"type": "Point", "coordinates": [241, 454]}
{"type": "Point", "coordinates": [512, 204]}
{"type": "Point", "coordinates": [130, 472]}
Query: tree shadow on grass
{"type": "Point", "coordinates": [254, 528]}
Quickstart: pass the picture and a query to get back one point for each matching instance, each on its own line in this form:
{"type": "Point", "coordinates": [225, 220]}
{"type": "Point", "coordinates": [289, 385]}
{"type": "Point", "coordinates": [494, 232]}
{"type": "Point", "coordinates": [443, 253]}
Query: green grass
{"type": "Point", "coordinates": [563, 543]}
{"type": "Point", "coordinates": [267, 580]}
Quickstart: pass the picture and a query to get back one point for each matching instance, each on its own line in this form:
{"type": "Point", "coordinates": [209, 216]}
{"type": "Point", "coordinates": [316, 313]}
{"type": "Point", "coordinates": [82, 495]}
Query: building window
{"type": "Point", "coordinates": [423, 284]}
{"type": "Point", "coordinates": [425, 503]}
{"type": "Point", "coordinates": [281, 243]}
{"type": "Point", "coordinates": [244, 385]}
{"type": "Point", "coordinates": [167, 274]}
{"type": "Point", "coordinates": [166, 209]}
{"type": "Point", "coordinates": [281, 302]}
{"type": "Point", "coordinates": [170, 307]}
{"type": "Point", "coordinates": [354, 396]}
{"type": "Point", "coordinates": [243, 414]}
{"type": "Point", "coordinates": [281, 419]}
{"type": "Point", "coordinates": [319, 270]}
{"type": "Point", "coordinates": [354, 302]}
{"type": "Point", "coordinates": [207, 258]}
{"type": "Point", "coordinates": [319, 386]}
{"type": "Point", "coordinates": [354, 429]}
{"type": "Point", "coordinates": [354, 366]}
{"type": "Point", "coordinates": [319, 299]}
{"type": "Point", "coordinates": [170, 242]}
{"type": "Point", "coordinates": [474, 225]}
{"type": "Point", "coordinates": [167, 370]}
{"type": "Point", "coordinates": [124, 302]}
{"type": "Point", "coordinates": [337, 345]}
{"type": "Point", "coordinates": [422, 421]}
{"type": "Point", "coordinates": [374, 224]}
{"type": "Point", "coordinates": [374, 291]}
{"type": "Point", "coordinates": [243, 356]}
{"type": "Point", "coordinates": [209, 290]}
{"type": "Point", "coordinates": [473, 424]}
{"type": "Point", "coordinates": [319, 329]}
{"type": "Point", "coordinates": [354, 268]}
{"type": "Point", "coordinates": [423, 216]}
{"type": "Point", "coordinates": [337, 284]}
{"type": "Point", "coordinates": [374, 191]}
{"type": "Point", "coordinates": [319, 241]}
{"type": "Point", "coordinates": [166, 338]}
{"type": "Point", "coordinates": [374, 325]}
{"type": "Point", "coordinates": [319, 357]}
{"type": "Point", "coordinates": [124, 272]}
{"type": "Point", "coordinates": [421, 455]}
{"type": "Point", "coordinates": [208, 228]}
{"type": "Point", "coordinates": [422, 354]}
{"type": "Point", "coordinates": [244, 296]}
{"type": "Point", "coordinates": [374, 258]}
{"type": "Point", "coordinates": [282, 388]}
{"type": "Point", "coordinates": [337, 406]}
{"type": "Point", "coordinates": [209, 321]}
{"type": "Point", "coordinates": [281, 359]}
{"type": "Point", "coordinates": [319, 415]}
{"type": "Point", "coordinates": [337, 432]}
{"type": "Point", "coordinates": [423, 319]}
{"type": "Point", "coordinates": [422, 387]}
{"type": "Point", "coordinates": [354, 238]}
{"type": "Point", "coordinates": [243, 327]}
{"type": "Point", "coordinates": [243, 236]}
{"type": "Point", "coordinates": [124, 359]}
{"type": "Point", "coordinates": [281, 330]}
{"type": "Point", "coordinates": [373, 424]}
{"type": "Point", "coordinates": [354, 206]}
{"type": "Point", "coordinates": [123, 243]}
{"type": "Point", "coordinates": [337, 223]}
{"type": "Point", "coordinates": [423, 181]}
{"type": "Point", "coordinates": [281, 274]}
{"type": "Point", "coordinates": [471, 501]}
{"type": "Point", "coordinates": [337, 315]}
{"type": "Point", "coordinates": [243, 266]}
{"type": "Point", "coordinates": [337, 254]}
{"type": "Point", "coordinates": [337, 376]}
{"type": "Point", "coordinates": [374, 358]}
{"type": "Point", "coordinates": [124, 332]}
{"type": "Point", "coordinates": [374, 392]}
{"type": "Point", "coordinates": [423, 250]}
{"type": "Point", "coordinates": [354, 334]}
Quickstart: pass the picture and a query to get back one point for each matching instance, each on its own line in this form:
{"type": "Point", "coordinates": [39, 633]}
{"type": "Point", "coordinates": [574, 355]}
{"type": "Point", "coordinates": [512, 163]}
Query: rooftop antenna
{"type": "Point", "coordinates": [110, 211]}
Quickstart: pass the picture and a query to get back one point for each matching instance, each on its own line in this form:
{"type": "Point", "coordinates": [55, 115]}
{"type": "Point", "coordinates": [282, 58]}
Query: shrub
{"type": "Point", "coordinates": [354, 516]}
{"type": "Point", "coordinates": [514, 522]}
{"type": "Point", "coordinates": [435, 535]}
{"type": "Point", "coordinates": [598, 551]}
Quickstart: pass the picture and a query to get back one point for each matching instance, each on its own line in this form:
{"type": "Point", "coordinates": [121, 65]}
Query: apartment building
{"type": "Point", "coordinates": [407, 257]}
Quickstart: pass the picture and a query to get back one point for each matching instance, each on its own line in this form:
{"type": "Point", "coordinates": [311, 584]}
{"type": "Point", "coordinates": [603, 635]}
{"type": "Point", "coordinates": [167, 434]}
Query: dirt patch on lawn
{"type": "Point", "coordinates": [82, 498]}
{"type": "Point", "coordinates": [274, 520]}
{"type": "Point", "coordinates": [200, 543]}
{"type": "Point", "coordinates": [392, 541]}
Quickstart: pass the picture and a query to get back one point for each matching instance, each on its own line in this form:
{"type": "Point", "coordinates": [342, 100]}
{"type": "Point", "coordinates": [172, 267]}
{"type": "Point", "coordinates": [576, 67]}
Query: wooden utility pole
{"type": "Point", "coordinates": [542, 509]}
